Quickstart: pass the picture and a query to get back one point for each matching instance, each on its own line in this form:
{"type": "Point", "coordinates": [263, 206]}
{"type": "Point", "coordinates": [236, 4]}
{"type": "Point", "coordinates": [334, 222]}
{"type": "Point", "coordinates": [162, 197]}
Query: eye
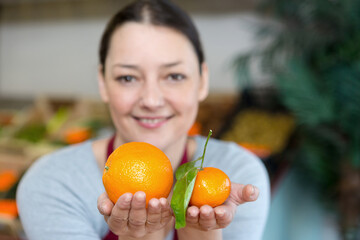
{"type": "Point", "coordinates": [126, 78]}
{"type": "Point", "coordinates": [176, 77]}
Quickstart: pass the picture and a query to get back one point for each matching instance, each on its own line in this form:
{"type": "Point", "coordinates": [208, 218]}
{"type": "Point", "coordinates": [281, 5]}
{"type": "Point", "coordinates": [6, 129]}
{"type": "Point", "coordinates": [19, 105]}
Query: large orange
{"type": "Point", "coordinates": [212, 187]}
{"type": "Point", "coordinates": [138, 166]}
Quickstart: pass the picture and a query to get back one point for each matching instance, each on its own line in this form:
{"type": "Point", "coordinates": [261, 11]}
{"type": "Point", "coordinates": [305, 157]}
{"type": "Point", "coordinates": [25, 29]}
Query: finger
{"type": "Point", "coordinates": [240, 194]}
{"type": "Point", "coordinates": [207, 218]}
{"type": "Point", "coordinates": [250, 193]}
{"type": "Point", "coordinates": [137, 214]}
{"type": "Point", "coordinates": [224, 215]}
{"type": "Point", "coordinates": [166, 211]}
{"type": "Point", "coordinates": [192, 215]}
{"type": "Point", "coordinates": [104, 204]}
{"type": "Point", "coordinates": [120, 213]}
{"type": "Point", "coordinates": [154, 215]}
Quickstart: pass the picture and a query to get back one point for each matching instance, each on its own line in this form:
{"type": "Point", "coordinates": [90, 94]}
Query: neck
{"type": "Point", "coordinates": [175, 151]}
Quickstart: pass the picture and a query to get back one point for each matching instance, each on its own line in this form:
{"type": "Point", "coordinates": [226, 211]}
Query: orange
{"type": "Point", "coordinates": [262, 151]}
{"type": "Point", "coordinates": [8, 208]}
{"type": "Point", "coordinates": [138, 166]}
{"type": "Point", "coordinates": [195, 129]}
{"type": "Point", "coordinates": [7, 179]}
{"type": "Point", "coordinates": [212, 187]}
{"type": "Point", "coordinates": [77, 135]}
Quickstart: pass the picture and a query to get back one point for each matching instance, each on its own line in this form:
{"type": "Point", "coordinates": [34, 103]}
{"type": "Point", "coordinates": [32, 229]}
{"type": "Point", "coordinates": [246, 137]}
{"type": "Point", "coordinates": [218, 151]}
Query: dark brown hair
{"type": "Point", "coordinates": [156, 12]}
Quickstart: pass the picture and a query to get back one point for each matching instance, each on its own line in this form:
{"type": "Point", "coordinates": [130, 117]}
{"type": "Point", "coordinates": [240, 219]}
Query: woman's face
{"type": "Point", "coordinates": [152, 84]}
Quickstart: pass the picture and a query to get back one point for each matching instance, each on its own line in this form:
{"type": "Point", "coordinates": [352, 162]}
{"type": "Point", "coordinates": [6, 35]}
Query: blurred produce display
{"type": "Point", "coordinates": [32, 128]}
{"type": "Point", "coordinates": [254, 127]}
{"type": "Point", "coordinates": [259, 123]}
{"type": "Point", "coordinates": [214, 112]}
{"type": "Point", "coordinates": [56, 122]}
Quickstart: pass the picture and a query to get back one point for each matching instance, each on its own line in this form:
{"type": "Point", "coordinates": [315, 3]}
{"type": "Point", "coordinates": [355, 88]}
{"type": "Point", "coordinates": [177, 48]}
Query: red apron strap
{"type": "Point", "coordinates": [110, 149]}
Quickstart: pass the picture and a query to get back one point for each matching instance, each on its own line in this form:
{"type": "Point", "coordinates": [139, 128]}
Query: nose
{"type": "Point", "coordinates": [151, 95]}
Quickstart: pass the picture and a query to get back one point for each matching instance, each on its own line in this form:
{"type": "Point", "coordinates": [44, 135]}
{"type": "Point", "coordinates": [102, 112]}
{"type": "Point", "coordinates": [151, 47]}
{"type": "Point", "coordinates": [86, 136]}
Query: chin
{"type": "Point", "coordinates": [159, 143]}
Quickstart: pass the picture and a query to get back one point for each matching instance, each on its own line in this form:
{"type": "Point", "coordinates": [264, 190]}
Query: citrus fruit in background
{"type": "Point", "coordinates": [212, 187]}
{"type": "Point", "coordinates": [138, 166]}
{"type": "Point", "coordinates": [77, 135]}
{"type": "Point", "coordinates": [260, 150]}
{"type": "Point", "coordinates": [195, 129]}
{"type": "Point", "coordinates": [7, 179]}
{"type": "Point", "coordinates": [8, 208]}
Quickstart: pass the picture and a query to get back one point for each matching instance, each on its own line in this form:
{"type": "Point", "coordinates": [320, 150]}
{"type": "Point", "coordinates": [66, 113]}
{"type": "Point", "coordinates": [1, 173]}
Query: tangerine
{"type": "Point", "coordinates": [138, 166]}
{"type": "Point", "coordinates": [8, 208]}
{"type": "Point", "coordinates": [77, 135]}
{"type": "Point", "coordinates": [212, 187]}
{"type": "Point", "coordinates": [7, 179]}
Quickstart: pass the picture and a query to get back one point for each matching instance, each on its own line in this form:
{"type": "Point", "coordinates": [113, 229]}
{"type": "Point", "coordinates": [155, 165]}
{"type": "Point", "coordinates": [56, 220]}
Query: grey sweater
{"type": "Point", "coordinates": [57, 197]}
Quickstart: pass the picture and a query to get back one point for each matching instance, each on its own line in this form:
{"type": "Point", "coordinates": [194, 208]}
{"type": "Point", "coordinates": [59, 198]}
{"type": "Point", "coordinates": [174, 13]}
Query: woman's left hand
{"type": "Point", "coordinates": [208, 218]}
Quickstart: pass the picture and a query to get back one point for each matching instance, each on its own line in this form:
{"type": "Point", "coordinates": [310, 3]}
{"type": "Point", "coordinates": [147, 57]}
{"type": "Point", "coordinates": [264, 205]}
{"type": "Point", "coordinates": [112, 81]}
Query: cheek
{"type": "Point", "coordinates": [121, 102]}
{"type": "Point", "coordinates": [190, 110]}
{"type": "Point", "coordinates": [186, 103]}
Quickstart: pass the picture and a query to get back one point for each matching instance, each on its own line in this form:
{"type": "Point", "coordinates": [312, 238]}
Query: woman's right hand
{"type": "Point", "coordinates": [129, 216]}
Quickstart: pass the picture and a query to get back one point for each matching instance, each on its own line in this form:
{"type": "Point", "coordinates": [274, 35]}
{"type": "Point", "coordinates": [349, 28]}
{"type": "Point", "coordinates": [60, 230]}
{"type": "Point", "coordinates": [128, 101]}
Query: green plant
{"type": "Point", "coordinates": [313, 56]}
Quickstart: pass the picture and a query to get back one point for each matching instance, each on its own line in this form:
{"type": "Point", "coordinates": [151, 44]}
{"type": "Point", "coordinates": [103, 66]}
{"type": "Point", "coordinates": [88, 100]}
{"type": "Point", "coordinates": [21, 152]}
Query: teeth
{"type": "Point", "coordinates": [151, 121]}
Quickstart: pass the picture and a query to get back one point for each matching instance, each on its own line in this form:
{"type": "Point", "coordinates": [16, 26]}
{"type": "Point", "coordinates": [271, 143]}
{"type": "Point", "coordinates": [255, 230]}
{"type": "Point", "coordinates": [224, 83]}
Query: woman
{"type": "Point", "coordinates": [152, 75]}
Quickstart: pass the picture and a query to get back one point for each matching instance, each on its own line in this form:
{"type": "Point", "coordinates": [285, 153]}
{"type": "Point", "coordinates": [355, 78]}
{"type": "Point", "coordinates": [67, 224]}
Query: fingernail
{"type": "Point", "coordinates": [154, 203]}
{"type": "Point", "coordinates": [206, 214]}
{"type": "Point", "coordinates": [163, 201]}
{"type": "Point", "coordinates": [140, 196]}
{"type": "Point", "coordinates": [254, 192]}
{"type": "Point", "coordinates": [127, 198]}
{"type": "Point", "coordinates": [102, 209]}
{"type": "Point", "coordinates": [193, 214]}
{"type": "Point", "coordinates": [220, 213]}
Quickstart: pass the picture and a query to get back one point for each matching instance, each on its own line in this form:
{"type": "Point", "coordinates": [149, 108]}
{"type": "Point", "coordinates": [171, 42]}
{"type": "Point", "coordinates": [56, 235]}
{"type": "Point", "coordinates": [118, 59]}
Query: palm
{"type": "Point", "coordinates": [207, 218]}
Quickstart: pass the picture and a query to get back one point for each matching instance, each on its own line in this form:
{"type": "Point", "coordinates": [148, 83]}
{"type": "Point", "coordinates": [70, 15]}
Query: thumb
{"type": "Point", "coordinates": [243, 193]}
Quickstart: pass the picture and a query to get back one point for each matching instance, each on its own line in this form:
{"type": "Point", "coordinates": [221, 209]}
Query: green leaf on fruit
{"type": "Point", "coordinates": [184, 168]}
{"type": "Point", "coordinates": [185, 176]}
{"type": "Point", "coordinates": [181, 196]}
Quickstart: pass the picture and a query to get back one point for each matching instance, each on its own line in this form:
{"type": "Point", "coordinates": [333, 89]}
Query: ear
{"type": "Point", "coordinates": [204, 82]}
{"type": "Point", "coordinates": [101, 83]}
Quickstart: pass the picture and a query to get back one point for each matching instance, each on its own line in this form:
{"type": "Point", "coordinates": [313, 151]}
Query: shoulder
{"type": "Point", "coordinates": [57, 171]}
{"type": "Point", "coordinates": [64, 165]}
{"type": "Point", "coordinates": [65, 184]}
{"type": "Point", "coordinates": [61, 163]}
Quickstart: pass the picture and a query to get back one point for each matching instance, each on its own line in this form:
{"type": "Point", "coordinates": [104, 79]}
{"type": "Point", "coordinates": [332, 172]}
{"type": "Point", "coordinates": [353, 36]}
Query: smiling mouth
{"type": "Point", "coordinates": [152, 122]}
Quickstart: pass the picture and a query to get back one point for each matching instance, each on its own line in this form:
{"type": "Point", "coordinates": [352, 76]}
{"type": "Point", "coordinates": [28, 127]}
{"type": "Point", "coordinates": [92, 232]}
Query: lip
{"type": "Point", "coordinates": [152, 122]}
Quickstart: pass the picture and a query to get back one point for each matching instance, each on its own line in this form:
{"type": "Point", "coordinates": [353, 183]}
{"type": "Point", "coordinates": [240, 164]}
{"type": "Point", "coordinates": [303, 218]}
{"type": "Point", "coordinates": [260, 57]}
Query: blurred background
{"type": "Point", "coordinates": [285, 84]}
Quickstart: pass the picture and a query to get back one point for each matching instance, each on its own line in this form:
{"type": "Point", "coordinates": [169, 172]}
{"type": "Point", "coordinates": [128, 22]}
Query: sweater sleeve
{"type": "Point", "coordinates": [52, 202]}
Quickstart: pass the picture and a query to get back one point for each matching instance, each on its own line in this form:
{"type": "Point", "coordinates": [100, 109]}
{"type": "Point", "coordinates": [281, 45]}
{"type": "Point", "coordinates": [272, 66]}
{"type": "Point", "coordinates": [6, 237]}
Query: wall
{"type": "Point", "coordinates": [60, 57]}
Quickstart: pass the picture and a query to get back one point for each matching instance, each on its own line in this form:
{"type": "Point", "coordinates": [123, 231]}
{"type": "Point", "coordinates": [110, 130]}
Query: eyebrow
{"type": "Point", "coordinates": [132, 66]}
{"type": "Point", "coordinates": [169, 65]}
{"type": "Point", "coordinates": [125, 66]}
